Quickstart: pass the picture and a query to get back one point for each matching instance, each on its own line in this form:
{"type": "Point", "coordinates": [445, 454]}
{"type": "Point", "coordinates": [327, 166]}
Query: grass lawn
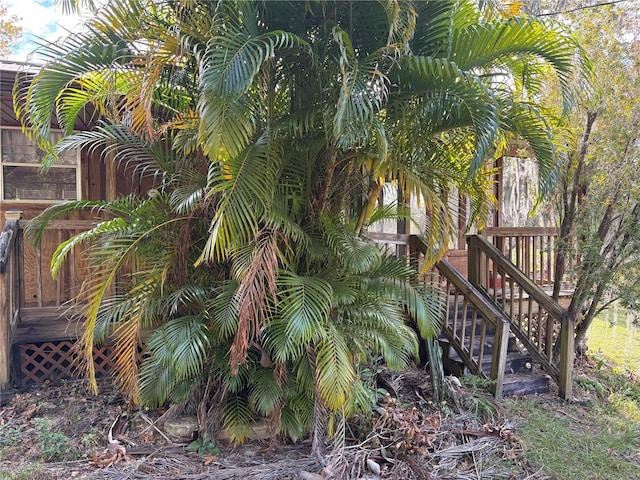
{"type": "Point", "coordinates": [615, 340]}
{"type": "Point", "coordinates": [596, 437]}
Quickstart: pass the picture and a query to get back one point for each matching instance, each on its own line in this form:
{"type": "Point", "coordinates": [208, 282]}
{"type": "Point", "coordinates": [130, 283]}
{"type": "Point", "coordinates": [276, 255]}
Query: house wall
{"type": "Point", "coordinates": [97, 180]}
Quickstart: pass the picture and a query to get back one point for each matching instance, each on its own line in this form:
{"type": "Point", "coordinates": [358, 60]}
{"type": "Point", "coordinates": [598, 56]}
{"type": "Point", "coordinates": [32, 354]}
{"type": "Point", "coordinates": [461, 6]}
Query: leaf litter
{"type": "Point", "coordinates": [405, 436]}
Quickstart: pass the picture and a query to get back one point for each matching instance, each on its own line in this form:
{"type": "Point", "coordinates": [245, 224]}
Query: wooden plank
{"type": "Point", "coordinates": [38, 249]}
{"type": "Point", "coordinates": [565, 377]}
{"type": "Point", "coordinates": [65, 224]}
{"type": "Point", "coordinates": [7, 296]}
{"type": "Point", "coordinates": [499, 358]}
{"type": "Point", "coordinates": [47, 324]}
{"type": "Point", "coordinates": [29, 274]}
{"type": "Point", "coordinates": [525, 384]}
{"type": "Point", "coordinates": [96, 174]}
{"type": "Point", "coordinates": [61, 276]}
{"type": "Point", "coordinates": [390, 238]}
{"type": "Point", "coordinates": [46, 332]}
{"type": "Point", "coordinates": [47, 285]}
{"type": "Point", "coordinates": [519, 231]}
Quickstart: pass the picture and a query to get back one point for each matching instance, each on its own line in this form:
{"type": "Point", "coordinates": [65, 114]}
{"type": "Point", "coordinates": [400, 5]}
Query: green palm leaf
{"type": "Point", "coordinates": [265, 393]}
{"type": "Point", "coordinates": [455, 98]}
{"type": "Point", "coordinates": [236, 418]}
{"type": "Point", "coordinates": [246, 185]}
{"type": "Point", "coordinates": [229, 67]}
{"type": "Point", "coordinates": [334, 369]}
{"type": "Point", "coordinates": [304, 304]}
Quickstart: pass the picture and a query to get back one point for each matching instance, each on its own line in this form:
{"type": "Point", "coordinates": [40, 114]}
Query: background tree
{"type": "Point", "coordinates": [270, 128]}
{"type": "Point", "coordinates": [599, 202]}
{"type": "Point", "coordinates": [10, 30]}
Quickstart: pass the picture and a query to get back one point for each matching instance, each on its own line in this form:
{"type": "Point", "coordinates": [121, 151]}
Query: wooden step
{"type": "Point", "coordinates": [47, 324]}
{"type": "Point", "coordinates": [525, 384]}
{"type": "Point", "coordinates": [515, 362]}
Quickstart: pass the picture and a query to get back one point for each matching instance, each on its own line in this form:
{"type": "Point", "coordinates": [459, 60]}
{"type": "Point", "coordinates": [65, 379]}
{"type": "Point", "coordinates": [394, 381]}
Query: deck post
{"type": "Point", "coordinates": [499, 360]}
{"type": "Point", "coordinates": [473, 261]}
{"type": "Point", "coordinates": [7, 297]}
{"type": "Point", "coordinates": [5, 332]}
{"type": "Point", "coordinates": [567, 336]}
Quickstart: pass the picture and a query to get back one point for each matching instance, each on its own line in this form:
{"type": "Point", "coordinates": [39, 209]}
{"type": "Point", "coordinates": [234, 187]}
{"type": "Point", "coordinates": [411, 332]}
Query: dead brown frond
{"type": "Point", "coordinates": [255, 293]}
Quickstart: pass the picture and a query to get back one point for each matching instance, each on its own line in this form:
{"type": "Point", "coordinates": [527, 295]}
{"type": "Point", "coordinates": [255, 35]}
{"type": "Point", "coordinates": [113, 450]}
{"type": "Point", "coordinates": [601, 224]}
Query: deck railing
{"type": "Point", "coordinates": [539, 323]}
{"type": "Point", "coordinates": [9, 291]}
{"type": "Point", "coordinates": [468, 319]}
{"type": "Point", "coordinates": [39, 287]}
{"type": "Point", "coordinates": [531, 249]}
{"type": "Point", "coordinates": [27, 287]}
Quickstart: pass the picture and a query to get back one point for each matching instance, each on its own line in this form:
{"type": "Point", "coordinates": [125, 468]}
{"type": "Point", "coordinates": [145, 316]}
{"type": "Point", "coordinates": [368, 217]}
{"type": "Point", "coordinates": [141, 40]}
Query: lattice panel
{"type": "Point", "coordinates": [42, 361]}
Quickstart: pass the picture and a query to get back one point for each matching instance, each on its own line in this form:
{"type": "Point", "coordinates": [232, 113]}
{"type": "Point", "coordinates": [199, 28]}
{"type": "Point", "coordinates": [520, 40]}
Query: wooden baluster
{"type": "Point", "coordinates": [537, 270]}
{"type": "Point", "coordinates": [474, 322]}
{"type": "Point", "coordinates": [455, 313]}
{"type": "Point", "coordinates": [499, 358]}
{"type": "Point", "coordinates": [39, 273]}
{"type": "Point", "coordinates": [541, 315]}
{"type": "Point", "coordinates": [448, 307]}
{"type": "Point", "coordinates": [483, 332]}
{"type": "Point", "coordinates": [73, 270]}
{"type": "Point", "coordinates": [5, 329]}
{"type": "Point", "coordinates": [549, 339]}
{"type": "Point", "coordinates": [463, 320]}
{"type": "Point", "coordinates": [529, 314]}
{"type": "Point", "coordinates": [512, 299]}
{"type": "Point", "coordinates": [518, 253]}
{"type": "Point", "coordinates": [553, 245]}
{"type": "Point", "coordinates": [60, 276]}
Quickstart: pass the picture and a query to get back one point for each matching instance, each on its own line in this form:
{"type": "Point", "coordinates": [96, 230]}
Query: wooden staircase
{"type": "Point", "coordinates": [498, 324]}
{"type": "Point", "coordinates": [519, 375]}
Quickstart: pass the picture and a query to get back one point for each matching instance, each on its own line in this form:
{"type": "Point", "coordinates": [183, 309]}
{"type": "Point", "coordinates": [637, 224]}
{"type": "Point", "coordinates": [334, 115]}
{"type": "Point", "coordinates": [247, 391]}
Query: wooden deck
{"type": "Point", "coordinates": [35, 307]}
{"type": "Point", "coordinates": [499, 319]}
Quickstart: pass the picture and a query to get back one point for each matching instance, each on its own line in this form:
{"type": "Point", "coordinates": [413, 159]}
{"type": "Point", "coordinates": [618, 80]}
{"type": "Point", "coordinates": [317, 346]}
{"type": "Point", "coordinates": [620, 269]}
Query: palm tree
{"type": "Point", "coordinates": [270, 128]}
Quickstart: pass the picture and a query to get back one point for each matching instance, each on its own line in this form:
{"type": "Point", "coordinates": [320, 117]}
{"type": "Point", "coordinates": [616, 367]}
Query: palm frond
{"type": "Point", "coordinates": [356, 254]}
{"type": "Point", "coordinates": [335, 373]}
{"type": "Point", "coordinates": [304, 304]}
{"type": "Point", "coordinates": [526, 121]}
{"type": "Point", "coordinates": [256, 291]}
{"type": "Point", "coordinates": [229, 67]}
{"type": "Point", "coordinates": [493, 44]}
{"type": "Point", "coordinates": [237, 418]}
{"type": "Point", "coordinates": [81, 55]}
{"type": "Point", "coordinates": [265, 393]}
{"type": "Point", "coordinates": [224, 311]}
{"type": "Point", "coordinates": [246, 184]}
{"type": "Point", "coordinates": [453, 95]}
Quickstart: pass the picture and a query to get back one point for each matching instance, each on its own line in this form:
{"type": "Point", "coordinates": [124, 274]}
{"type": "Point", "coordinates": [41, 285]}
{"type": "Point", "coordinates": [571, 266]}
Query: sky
{"type": "Point", "coordinates": [39, 19]}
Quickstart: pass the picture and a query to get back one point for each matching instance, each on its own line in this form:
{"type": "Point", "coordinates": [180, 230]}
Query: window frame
{"type": "Point", "coordinates": [36, 165]}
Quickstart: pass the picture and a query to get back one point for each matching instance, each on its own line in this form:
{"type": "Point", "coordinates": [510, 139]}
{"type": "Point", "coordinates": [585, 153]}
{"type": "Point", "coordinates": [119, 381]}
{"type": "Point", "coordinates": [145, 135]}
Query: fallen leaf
{"type": "Point", "coordinates": [208, 460]}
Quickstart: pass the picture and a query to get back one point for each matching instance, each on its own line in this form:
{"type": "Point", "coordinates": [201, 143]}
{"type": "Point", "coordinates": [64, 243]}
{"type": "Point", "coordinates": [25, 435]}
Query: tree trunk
{"type": "Point", "coordinates": [571, 200]}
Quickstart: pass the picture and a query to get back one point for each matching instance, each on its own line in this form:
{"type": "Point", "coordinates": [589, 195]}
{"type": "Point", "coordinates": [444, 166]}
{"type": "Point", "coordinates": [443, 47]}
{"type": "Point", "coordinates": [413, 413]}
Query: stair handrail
{"type": "Point", "coordinates": [493, 315]}
{"type": "Point", "coordinates": [471, 297]}
{"type": "Point", "coordinates": [9, 293]}
{"type": "Point", "coordinates": [563, 346]}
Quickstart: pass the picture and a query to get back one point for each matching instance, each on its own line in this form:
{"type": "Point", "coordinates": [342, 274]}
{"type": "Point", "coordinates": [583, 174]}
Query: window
{"type": "Point", "coordinates": [20, 177]}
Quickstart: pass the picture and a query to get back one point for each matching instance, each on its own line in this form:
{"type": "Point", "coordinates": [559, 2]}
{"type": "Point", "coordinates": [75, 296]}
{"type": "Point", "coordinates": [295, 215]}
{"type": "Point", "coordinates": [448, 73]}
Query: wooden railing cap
{"type": "Point", "coordinates": [13, 214]}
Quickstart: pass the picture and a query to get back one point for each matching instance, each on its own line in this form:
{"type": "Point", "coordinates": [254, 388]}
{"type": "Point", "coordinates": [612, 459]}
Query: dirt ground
{"type": "Point", "coordinates": [59, 431]}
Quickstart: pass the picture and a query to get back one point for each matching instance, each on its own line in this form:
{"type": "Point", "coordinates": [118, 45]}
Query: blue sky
{"type": "Point", "coordinates": [39, 19]}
